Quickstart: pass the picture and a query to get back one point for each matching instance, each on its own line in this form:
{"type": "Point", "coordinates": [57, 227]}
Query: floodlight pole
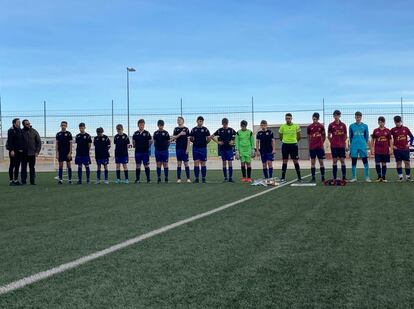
{"type": "Point", "coordinates": [252, 113]}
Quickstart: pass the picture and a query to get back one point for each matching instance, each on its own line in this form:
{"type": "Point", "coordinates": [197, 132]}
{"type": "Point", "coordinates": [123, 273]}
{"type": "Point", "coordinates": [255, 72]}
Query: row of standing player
{"type": "Point", "coordinates": [243, 142]}
{"type": "Point", "coordinates": [382, 144]}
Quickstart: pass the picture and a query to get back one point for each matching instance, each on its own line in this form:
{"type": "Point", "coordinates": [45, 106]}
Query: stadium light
{"type": "Point", "coordinates": [128, 70]}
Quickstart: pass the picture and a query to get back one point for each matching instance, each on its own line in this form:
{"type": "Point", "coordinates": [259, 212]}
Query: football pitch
{"type": "Point", "coordinates": [290, 247]}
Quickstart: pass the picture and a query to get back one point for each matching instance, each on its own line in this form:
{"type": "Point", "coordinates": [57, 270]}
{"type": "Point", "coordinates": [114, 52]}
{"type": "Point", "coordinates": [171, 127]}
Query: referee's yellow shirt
{"type": "Point", "coordinates": [289, 133]}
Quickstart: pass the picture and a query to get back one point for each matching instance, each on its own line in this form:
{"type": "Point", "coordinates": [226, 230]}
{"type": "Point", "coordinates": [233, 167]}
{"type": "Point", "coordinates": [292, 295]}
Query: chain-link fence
{"type": "Point", "coordinates": [47, 120]}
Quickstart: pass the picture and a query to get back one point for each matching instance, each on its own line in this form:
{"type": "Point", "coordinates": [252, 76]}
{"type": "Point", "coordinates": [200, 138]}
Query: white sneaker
{"type": "Point", "coordinates": [98, 182]}
{"type": "Point", "coordinates": [126, 181]}
{"type": "Point", "coordinates": [106, 182]}
{"type": "Point", "coordinates": [189, 181]}
{"type": "Point", "coordinates": [353, 180]}
{"type": "Point", "coordinates": [408, 178]}
{"type": "Point", "coordinates": [118, 181]}
{"type": "Point", "coordinates": [178, 180]}
{"type": "Point", "coordinates": [368, 179]}
{"type": "Point", "coordinates": [401, 179]}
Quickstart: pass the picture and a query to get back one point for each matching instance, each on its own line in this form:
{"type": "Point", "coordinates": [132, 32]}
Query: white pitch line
{"type": "Point", "coordinates": [83, 260]}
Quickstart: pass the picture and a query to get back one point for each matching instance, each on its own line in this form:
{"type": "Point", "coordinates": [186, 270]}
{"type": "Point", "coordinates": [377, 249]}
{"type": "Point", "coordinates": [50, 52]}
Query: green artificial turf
{"type": "Point", "coordinates": [313, 247]}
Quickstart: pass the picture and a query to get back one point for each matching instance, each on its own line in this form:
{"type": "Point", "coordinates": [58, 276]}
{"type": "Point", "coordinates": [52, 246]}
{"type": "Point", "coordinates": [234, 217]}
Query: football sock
{"type": "Point", "coordinates": [335, 171]}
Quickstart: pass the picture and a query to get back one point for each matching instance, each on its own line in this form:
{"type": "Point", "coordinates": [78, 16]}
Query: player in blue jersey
{"type": "Point", "coordinates": [225, 137]}
{"type": "Point", "coordinates": [142, 141]}
{"type": "Point", "coordinates": [161, 143]}
{"type": "Point", "coordinates": [200, 137]}
{"type": "Point", "coordinates": [121, 141]}
{"type": "Point", "coordinates": [102, 144]}
{"type": "Point", "coordinates": [358, 138]}
{"type": "Point", "coordinates": [181, 134]}
{"type": "Point", "coordinates": [83, 146]}
{"type": "Point", "coordinates": [64, 151]}
{"type": "Point", "coordinates": [266, 147]}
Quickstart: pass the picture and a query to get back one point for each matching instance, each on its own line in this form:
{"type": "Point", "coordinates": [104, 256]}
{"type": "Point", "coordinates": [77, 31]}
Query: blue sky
{"type": "Point", "coordinates": [73, 54]}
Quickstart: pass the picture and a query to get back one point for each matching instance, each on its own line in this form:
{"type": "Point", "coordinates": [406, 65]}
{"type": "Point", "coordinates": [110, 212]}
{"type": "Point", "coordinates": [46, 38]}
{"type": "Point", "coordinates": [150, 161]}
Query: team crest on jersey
{"type": "Point", "coordinates": [123, 136]}
{"type": "Point", "coordinates": [267, 133]}
{"type": "Point", "coordinates": [66, 134]}
{"type": "Point", "coordinates": [202, 130]}
{"type": "Point", "coordinates": [84, 137]}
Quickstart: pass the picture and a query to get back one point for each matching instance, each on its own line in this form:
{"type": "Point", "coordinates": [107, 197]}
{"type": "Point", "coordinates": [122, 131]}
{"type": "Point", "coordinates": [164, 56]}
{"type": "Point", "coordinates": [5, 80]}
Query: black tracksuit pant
{"type": "Point", "coordinates": [31, 160]}
{"type": "Point", "coordinates": [15, 165]}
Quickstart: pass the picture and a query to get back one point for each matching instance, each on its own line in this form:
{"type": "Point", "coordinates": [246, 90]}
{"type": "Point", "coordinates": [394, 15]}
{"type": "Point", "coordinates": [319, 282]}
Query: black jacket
{"type": "Point", "coordinates": [32, 143]}
{"type": "Point", "coordinates": [15, 140]}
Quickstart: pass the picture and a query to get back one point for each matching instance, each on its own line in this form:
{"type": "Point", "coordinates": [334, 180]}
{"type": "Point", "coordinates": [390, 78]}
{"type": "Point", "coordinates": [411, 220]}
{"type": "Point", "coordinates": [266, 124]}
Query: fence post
{"type": "Point", "coordinates": [402, 109]}
{"type": "Point", "coordinates": [181, 107]}
{"type": "Point", "coordinates": [44, 120]}
{"type": "Point", "coordinates": [112, 117]}
{"type": "Point", "coordinates": [323, 111]}
{"type": "Point", "coordinates": [252, 113]}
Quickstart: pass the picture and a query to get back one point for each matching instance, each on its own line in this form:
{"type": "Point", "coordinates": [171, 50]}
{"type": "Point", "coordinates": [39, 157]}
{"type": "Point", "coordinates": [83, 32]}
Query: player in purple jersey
{"type": "Point", "coordinates": [181, 135]}
{"type": "Point", "coordinates": [64, 151]}
{"type": "Point", "coordinates": [121, 141]}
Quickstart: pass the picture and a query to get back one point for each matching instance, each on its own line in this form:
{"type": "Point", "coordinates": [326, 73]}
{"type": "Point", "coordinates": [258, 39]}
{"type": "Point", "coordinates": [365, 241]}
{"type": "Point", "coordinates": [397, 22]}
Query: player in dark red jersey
{"type": "Point", "coordinates": [380, 148]}
{"type": "Point", "coordinates": [316, 139]}
{"type": "Point", "coordinates": [337, 135]}
{"type": "Point", "coordinates": [400, 135]}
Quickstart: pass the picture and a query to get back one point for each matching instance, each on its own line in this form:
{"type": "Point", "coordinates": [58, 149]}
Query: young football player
{"type": "Point", "coordinates": [380, 148]}
{"type": "Point", "coordinates": [245, 150]}
{"type": "Point", "coordinates": [289, 134]}
{"type": "Point", "coordinates": [200, 137]}
{"type": "Point", "coordinates": [224, 137]}
{"type": "Point", "coordinates": [266, 147]}
{"type": "Point", "coordinates": [142, 141]}
{"type": "Point", "coordinates": [161, 144]}
{"type": "Point", "coordinates": [337, 136]}
{"type": "Point", "coordinates": [181, 135]}
{"type": "Point", "coordinates": [121, 141]}
{"type": "Point", "coordinates": [358, 138]}
{"type": "Point", "coordinates": [83, 146]}
{"type": "Point", "coordinates": [316, 140]}
{"type": "Point", "coordinates": [64, 151]}
{"type": "Point", "coordinates": [402, 138]}
{"type": "Point", "coordinates": [102, 143]}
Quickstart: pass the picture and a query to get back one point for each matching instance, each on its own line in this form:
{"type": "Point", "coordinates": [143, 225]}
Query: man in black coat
{"type": "Point", "coordinates": [15, 147]}
{"type": "Point", "coordinates": [31, 148]}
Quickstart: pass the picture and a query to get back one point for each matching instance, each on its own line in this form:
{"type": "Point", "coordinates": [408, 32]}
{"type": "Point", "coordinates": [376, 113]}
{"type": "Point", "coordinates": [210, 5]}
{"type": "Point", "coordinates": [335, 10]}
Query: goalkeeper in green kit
{"type": "Point", "coordinates": [245, 150]}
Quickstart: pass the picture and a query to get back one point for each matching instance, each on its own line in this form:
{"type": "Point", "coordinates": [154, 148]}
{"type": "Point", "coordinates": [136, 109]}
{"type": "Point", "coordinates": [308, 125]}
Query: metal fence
{"type": "Point", "coordinates": [47, 119]}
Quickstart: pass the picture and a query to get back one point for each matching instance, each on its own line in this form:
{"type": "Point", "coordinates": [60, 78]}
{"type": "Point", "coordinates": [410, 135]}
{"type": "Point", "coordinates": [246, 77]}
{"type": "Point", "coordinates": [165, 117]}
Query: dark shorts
{"type": "Point", "coordinates": [64, 157]}
{"type": "Point", "coordinates": [102, 161]}
{"type": "Point", "coordinates": [161, 155]}
{"type": "Point", "coordinates": [266, 157]}
{"type": "Point", "coordinates": [290, 150]}
{"type": "Point", "coordinates": [227, 155]}
{"type": "Point", "coordinates": [181, 155]}
{"type": "Point", "coordinates": [317, 153]}
{"type": "Point", "coordinates": [382, 158]}
{"type": "Point", "coordinates": [122, 160]}
{"type": "Point", "coordinates": [142, 158]}
{"type": "Point", "coordinates": [338, 152]}
{"type": "Point", "coordinates": [82, 160]}
{"type": "Point", "coordinates": [200, 154]}
{"type": "Point", "coordinates": [401, 155]}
